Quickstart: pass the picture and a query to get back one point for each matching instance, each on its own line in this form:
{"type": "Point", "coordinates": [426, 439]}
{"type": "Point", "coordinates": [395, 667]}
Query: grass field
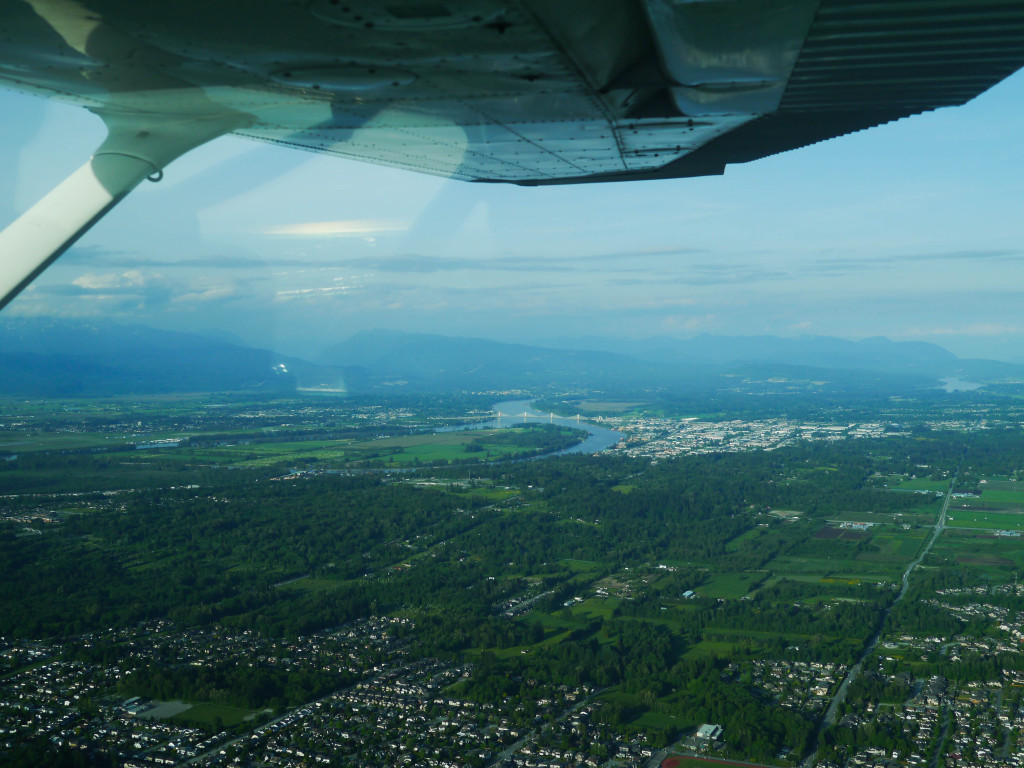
{"type": "Point", "coordinates": [712, 648]}
{"type": "Point", "coordinates": [840, 570]}
{"type": "Point", "coordinates": [582, 566]}
{"type": "Point", "coordinates": [687, 761]}
{"type": "Point", "coordinates": [918, 484]}
{"type": "Point", "coordinates": [1003, 484]}
{"type": "Point", "coordinates": [895, 547]}
{"type": "Point", "coordinates": [922, 514]}
{"type": "Point", "coordinates": [207, 714]}
{"type": "Point", "coordinates": [439, 448]}
{"type": "Point", "coordinates": [998, 557]}
{"type": "Point", "coordinates": [996, 521]}
{"type": "Point", "coordinates": [315, 584]}
{"type": "Point", "coordinates": [985, 506]}
{"type": "Point", "coordinates": [651, 719]}
{"type": "Point", "coordinates": [26, 442]}
{"type": "Point", "coordinates": [1003, 495]}
{"type": "Point", "coordinates": [596, 608]}
{"type": "Point", "coordinates": [734, 544]}
{"type": "Point", "coordinates": [730, 585]}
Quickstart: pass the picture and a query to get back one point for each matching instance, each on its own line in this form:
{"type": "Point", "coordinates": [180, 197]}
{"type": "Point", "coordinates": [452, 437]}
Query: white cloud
{"type": "Point", "coordinates": [341, 228]}
{"type": "Point", "coordinates": [91, 281]}
{"type": "Point", "coordinates": [208, 294]}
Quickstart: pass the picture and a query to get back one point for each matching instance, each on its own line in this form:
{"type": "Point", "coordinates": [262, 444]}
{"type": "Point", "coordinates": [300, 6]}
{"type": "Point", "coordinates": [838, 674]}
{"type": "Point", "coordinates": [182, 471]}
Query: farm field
{"type": "Point", "coordinates": [850, 571]}
{"type": "Point", "coordinates": [988, 519]}
{"type": "Point", "coordinates": [406, 451]}
{"type": "Point", "coordinates": [898, 482]}
{"type": "Point", "coordinates": [922, 515]}
{"type": "Point", "coordinates": [995, 557]}
{"type": "Point", "coordinates": [1004, 496]}
{"type": "Point", "coordinates": [731, 585]}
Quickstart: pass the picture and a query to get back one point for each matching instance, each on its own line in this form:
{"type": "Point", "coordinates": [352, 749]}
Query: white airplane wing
{"type": "Point", "coordinates": [522, 91]}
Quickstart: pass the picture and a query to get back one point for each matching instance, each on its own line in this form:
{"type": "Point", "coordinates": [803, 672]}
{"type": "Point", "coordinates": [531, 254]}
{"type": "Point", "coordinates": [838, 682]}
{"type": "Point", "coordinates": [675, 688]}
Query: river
{"type": "Point", "coordinates": [598, 438]}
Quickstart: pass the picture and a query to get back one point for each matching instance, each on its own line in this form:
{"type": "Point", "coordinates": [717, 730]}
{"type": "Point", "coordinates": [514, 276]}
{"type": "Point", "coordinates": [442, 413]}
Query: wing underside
{"type": "Point", "coordinates": [523, 91]}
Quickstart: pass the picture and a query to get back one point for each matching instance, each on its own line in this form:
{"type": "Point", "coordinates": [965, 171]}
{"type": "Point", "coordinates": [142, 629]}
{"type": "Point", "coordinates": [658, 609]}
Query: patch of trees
{"type": "Point", "coordinates": [225, 682]}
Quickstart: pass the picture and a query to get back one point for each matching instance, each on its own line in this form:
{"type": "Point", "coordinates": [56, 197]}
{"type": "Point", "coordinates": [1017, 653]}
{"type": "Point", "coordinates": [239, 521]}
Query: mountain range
{"type": "Point", "coordinates": [50, 357]}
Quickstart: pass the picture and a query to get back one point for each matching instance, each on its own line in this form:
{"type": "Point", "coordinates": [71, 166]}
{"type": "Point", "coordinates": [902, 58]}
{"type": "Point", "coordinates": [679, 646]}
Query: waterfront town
{"type": "Point", "coordinates": [664, 438]}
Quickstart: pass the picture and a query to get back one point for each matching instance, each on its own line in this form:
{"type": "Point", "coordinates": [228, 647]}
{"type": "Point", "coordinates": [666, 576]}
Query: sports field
{"type": "Point", "coordinates": [687, 761]}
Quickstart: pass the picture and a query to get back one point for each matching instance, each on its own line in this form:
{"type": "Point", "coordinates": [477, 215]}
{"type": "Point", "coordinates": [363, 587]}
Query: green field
{"type": "Point", "coordinates": [995, 556]}
{"type": "Point", "coordinates": [314, 584]}
{"type": "Point", "coordinates": [1003, 484]}
{"type": "Point", "coordinates": [973, 518]}
{"type": "Point", "coordinates": [730, 585]}
{"type": "Point", "coordinates": [665, 721]}
{"type": "Point", "coordinates": [735, 544]}
{"type": "Point", "coordinates": [686, 761]}
{"type": "Point", "coordinates": [208, 714]}
{"type": "Point", "coordinates": [596, 608]}
{"type": "Point", "coordinates": [923, 514]}
{"type": "Point", "coordinates": [895, 547]}
{"type": "Point", "coordinates": [582, 566]}
{"type": "Point", "coordinates": [840, 570]}
{"type": "Point", "coordinates": [918, 484]}
{"type": "Point", "coordinates": [22, 442]}
{"type": "Point", "coordinates": [1004, 496]}
{"type": "Point", "coordinates": [439, 448]}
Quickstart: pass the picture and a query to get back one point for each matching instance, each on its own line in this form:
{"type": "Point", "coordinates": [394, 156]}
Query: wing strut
{"type": "Point", "coordinates": [137, 147]}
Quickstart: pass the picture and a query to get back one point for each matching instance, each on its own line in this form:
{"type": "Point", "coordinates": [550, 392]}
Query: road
{"type": "Point", "coordinates": [532, 735]}
{"type": "Point", "coordinates": [829, 718]}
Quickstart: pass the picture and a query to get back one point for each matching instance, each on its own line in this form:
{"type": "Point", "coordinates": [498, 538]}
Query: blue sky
{"type": "Point", "coordinates": [911, 230]}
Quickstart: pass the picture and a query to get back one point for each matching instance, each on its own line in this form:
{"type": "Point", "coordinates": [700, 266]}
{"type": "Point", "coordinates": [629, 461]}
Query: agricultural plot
{"type": "Point", "coordinates": [1003, 484]}
{"type": "Point", "coordinates": [22, 442]}
{"type": "Point", "coordinates": [998, 557]}
{"type": "Point", "coordinates": [731, 585]}
{"type": "Point", "coordinates": [895, 546]}
{"type": "Point", "coordinates": [411, 450]}
{"type": "Point", "coordinates": [596, 608]}
{"type": "Point", "coordinates": [901, 483]}
{"type": "Point", "coordinates": [839, 570]}
{"type": "Point", "coordinates": [925, 514]}
{"type": "Point", "coordinates": [1004, 496]}
{"type": "Point", "coordinates": [999, 507]}
{"type": "Point", "coordinates": [744, 538]}
{"type": "Point", "coordinates": [985, 519]}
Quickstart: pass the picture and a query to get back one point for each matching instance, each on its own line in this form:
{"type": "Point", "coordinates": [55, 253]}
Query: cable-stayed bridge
{"type": "Point", "coordinates": [527, 415]}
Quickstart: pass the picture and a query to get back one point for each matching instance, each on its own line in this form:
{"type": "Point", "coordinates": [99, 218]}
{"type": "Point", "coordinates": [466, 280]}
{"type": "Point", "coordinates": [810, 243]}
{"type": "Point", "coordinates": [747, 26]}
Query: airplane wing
{"type": "Point", "coordinates": [522, 91]}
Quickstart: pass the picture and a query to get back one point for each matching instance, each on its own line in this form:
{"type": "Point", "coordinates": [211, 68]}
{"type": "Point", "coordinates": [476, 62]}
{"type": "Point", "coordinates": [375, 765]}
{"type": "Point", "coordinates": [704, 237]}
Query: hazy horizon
{"type": "Point", "coordinates": [909, 231]}
{"type": "Point", "coordinates": [313, 348]}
